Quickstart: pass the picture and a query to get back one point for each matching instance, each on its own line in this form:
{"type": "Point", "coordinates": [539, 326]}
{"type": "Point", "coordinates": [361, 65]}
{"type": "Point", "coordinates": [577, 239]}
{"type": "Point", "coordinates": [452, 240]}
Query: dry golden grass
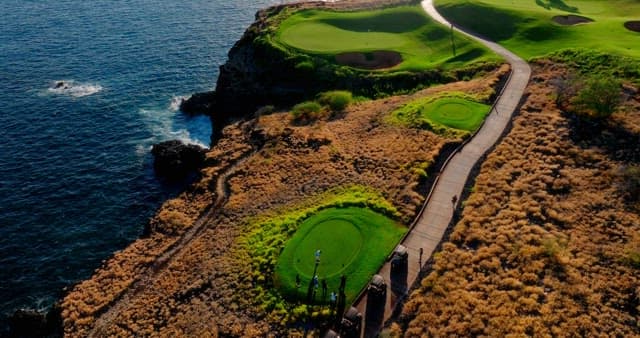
{"type": "Point", "coordinates": [545, 238]}
{"type": "Point", "coordinates": [206, 290]}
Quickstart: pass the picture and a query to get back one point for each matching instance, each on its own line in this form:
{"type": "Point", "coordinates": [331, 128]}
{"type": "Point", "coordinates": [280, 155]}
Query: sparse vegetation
{"type": "Point", "coordinates": [545, 246]}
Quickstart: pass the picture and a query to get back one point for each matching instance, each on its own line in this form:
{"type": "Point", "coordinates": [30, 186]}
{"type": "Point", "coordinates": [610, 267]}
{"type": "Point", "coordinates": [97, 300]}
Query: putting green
{"type": "Point", "coordinates": [407, 30]}
{"type": "Point", "coordinates": [352, 241]}
{"type": "Point", "coordinates": [341, 243]}
{"type": "Point", "coordinates": [456, 113]}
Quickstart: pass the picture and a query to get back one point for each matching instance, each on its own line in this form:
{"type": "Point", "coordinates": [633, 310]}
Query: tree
{"type": "Point", "coordinates": [598, 97]}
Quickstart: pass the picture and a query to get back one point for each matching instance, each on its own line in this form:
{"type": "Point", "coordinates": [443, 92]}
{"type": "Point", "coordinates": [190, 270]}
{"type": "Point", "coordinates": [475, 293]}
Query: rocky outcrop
{"type": "Point", "coordinates": [26, 323]}
{"type": "Point", "coordinates": [175, 160]}
{"type": "Point", "coordinates": [199, 103]}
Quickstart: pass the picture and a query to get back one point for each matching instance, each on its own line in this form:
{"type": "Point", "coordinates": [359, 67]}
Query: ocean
{"type": "Point", "coordinates": [86, 88]}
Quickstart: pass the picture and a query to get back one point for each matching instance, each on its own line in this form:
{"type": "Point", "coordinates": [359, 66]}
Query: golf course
{"type": "Point", "coordinates": [351, 241]}
{"type": "Point", "coordinates": [448, 111]}
{"type": "Point", "coordinates": [538, 27]}
{"type": "Point", "coordinates": [399, 38]}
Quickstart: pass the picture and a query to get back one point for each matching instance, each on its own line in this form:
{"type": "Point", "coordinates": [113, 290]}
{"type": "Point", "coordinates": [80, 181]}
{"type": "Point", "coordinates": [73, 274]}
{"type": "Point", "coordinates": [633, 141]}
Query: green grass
{"type": "Point", "coordinates": [422, 43]}
{"type": "Point", "coordinates": [525, 26]}
{"type": "Point", "coordinates": [353, 242]}
{"type": "Point", "coordinates": [442, 113]}
{"type": "Point", "coordinates": [265, 237]}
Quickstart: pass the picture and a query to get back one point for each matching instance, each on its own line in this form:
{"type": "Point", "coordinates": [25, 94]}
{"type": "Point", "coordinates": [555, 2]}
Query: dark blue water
{"type": "Point", "coordinates": [76, 178]}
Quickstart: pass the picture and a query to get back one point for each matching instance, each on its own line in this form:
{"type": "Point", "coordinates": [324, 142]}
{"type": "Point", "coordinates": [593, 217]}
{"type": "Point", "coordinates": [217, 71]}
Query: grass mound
{"type": "Point", "coordinates": [451, 110]}
{"type": "Point", "coordinates": [353, 241]}
{"type": "Point", "coordinates": [419, 42]}
{"type": "Point", "coordinates": [528, 27]}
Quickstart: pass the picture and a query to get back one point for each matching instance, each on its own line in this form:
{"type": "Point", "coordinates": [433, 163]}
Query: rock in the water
{"type": "Point", "coordinates": [32, 323]}
{"type": "Point", "coordinates": [174, 159]}
{"type": "Point", "coordinates": [199, 103]}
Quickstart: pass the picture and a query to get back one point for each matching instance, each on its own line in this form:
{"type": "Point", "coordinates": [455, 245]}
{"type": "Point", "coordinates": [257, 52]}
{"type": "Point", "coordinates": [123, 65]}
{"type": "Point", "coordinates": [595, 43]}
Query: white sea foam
{"type": "Point", "coordinates": [166, 124]}
{"type": "Point", "coordinates": [73, 88]}
{"type": "Point", "coordinates": [176, 101]}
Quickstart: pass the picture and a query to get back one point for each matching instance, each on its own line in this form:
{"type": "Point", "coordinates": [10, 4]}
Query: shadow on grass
{"type": "Point", "coordinates": [543, 32]}
{"type": "Point", "coordinates": [401, 22]}
{"type": "Point", "coordinates": [492, 23]}
{"type": "Point", "coordinates": [557, 4]}
{"type": "Point", "coordinates": [467, 56]}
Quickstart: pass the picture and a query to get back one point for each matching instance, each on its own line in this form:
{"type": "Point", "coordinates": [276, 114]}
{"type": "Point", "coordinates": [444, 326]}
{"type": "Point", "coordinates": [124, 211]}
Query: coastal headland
{"type": "Point", "coordinates": [299, 133]}
{"type": "Point", "coordinates": [312, 135]}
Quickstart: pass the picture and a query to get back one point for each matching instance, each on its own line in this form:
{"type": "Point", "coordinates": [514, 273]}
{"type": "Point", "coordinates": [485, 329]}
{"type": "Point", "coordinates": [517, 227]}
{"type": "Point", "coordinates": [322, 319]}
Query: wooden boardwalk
{"type": "Point", "coordinates": [432, 223]}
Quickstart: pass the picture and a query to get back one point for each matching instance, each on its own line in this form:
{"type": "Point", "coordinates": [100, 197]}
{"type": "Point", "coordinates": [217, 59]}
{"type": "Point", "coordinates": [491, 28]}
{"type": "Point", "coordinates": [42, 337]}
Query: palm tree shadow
{"type": "Point", "coordinates": [557, 4]}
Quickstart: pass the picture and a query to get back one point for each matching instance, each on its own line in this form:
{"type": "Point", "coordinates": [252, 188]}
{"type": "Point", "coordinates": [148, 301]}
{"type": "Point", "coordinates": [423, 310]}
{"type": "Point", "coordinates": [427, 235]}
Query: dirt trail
{"type": "Point", "coordinates": [106, 317]}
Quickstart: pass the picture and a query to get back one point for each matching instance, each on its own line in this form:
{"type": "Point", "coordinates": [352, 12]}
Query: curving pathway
{"type": "Point", "coordinates": [433, 221]}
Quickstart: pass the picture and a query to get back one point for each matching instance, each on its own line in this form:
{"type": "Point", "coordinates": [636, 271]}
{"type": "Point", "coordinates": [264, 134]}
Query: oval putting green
{"type": "Point", "coordinates": [352, 241]}
{"type": "Point", "coordinates": [455, 112]}
{"type": "Point", "coordinates": [341, 243]}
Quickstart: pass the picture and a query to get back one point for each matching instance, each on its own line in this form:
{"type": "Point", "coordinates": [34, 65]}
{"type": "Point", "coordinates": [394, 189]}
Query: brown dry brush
{"type": "Point", "coordinates": [545, 244]}
{"type": "Point", "coordinates": [207, 289]}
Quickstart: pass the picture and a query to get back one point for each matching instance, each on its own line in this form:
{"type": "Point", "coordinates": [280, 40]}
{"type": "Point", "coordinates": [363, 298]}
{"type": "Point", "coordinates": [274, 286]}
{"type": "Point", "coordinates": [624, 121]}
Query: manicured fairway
{"type": "Point", "coordinates": [352, 241]}
{"type": "Point", "coordinates": [527, 28]}
{"type": "Point", "coordinates": [407, 30]}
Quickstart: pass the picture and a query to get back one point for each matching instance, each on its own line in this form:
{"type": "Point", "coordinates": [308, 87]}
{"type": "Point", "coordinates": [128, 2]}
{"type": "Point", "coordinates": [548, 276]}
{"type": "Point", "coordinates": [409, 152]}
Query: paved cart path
{"type": "Point", "coordinates": [431, 225]}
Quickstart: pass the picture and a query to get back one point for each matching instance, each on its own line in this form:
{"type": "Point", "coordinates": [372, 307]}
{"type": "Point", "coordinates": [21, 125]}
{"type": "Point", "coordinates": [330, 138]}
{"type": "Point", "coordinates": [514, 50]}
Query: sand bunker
{"type": "Point", "coordinates": [375, 60]}
{"type": "Point", "coordinates": [570, 20]}
{"type": "Point", "coordinates": [633, 26]}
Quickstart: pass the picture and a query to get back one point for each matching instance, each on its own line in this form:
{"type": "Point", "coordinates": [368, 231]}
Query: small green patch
{"type": "Point", "coordinates": [443, 113]}
{"type": "Point", "coordinates": [353, 242]}
{"type": "Point", "coordinates": [337, 100]}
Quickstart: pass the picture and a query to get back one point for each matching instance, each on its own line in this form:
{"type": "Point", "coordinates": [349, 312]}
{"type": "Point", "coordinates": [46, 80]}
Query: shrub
{"type": "Point", "coordinates": [337, 100]}
{"type": "Point", "coordinates": [631, 181]}
{"type": "Point", "coordinates": [599, 96]}
{"type": "Point", "coordinates": [305, 66]}
{"type": "Point", "coordinates": [306, 110]}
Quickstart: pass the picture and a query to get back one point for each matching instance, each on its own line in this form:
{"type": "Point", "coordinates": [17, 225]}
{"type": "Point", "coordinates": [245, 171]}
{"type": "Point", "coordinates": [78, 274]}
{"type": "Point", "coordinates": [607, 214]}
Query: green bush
{"type": "Point", "coordinates": [337, 100]}
{"type": "Point", "coordinates": [599, 96]}
{"type": "Point", "coordinates": [306, 110]}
